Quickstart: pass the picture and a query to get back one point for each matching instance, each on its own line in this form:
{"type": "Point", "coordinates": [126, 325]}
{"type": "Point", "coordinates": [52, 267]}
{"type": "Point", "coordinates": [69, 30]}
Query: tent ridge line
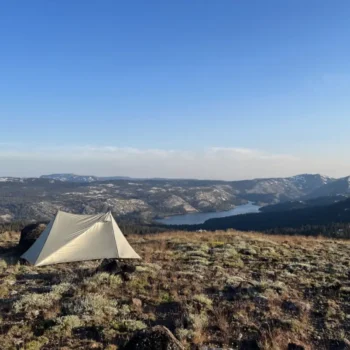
{"type": "Point", "coordinates": [116, 244]}
{"type": "Point", "coordinates": [53, 224]}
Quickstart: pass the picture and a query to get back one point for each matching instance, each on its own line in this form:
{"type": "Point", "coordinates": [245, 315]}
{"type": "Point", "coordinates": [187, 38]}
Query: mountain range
{"type": "Point", "coordinates": [146, 199]}
{"type": "Point", "coordinates": [82, 178]}
{"type": "Point", "coordinates": [332, 188]}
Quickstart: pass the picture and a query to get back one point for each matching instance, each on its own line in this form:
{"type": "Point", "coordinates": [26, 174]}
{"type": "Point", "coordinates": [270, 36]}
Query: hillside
{"type": "Point", "coordinates": [141, 200]}
{"type": "Point", "coordinates": [224, 289]}
{"type": "Point", "coordinates": [305, 203]}
{"type": "Point", "coordinates": [340, 186]}
{"type": "Point", "coordinates": [298, 218]}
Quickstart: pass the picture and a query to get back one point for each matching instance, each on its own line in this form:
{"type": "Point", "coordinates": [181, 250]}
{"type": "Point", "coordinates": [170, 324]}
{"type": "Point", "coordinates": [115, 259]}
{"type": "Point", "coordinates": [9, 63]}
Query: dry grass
{"type": "Point", "coordinates": [214, 289]}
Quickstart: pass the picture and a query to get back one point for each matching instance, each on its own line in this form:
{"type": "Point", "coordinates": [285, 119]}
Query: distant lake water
{"type": "Point", "coordinates": [200, 218]}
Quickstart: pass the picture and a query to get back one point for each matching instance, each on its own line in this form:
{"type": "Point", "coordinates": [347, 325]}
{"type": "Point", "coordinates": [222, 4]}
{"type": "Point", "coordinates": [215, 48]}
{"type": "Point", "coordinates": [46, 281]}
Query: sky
{"type": "Point", "coordinates": [192, 89]}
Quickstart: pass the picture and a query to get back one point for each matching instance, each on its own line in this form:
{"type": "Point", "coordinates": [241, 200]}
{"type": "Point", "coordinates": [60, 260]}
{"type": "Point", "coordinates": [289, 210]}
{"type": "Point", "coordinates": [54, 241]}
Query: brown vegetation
{"type": "Point", "coordinates": [223, 289]}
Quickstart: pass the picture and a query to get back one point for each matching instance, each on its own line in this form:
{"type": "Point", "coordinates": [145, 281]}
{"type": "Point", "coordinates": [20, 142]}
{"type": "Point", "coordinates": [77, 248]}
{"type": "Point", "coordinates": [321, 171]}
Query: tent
{"type": "Point", "coordinates": [70, 237]}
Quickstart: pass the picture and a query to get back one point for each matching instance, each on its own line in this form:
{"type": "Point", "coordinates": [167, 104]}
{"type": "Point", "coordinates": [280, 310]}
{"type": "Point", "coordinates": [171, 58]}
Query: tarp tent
{"type": "Point", "coordinates": [70, 237]}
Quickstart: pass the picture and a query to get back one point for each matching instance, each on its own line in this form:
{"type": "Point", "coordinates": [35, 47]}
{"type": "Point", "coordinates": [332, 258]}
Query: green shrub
{"type": "Point", "coordinates": [165, 297]}
{"type": "Point", "coordinates": [3, 265]}
{"type": "Point", "coordinates": [3, 291]}
{"type": "Point", "coordinates": [34, 301]}
{"type": "Point", "coordinates": [94, 307]}
{"type": "Point", "coordinates": [65, 324]}
{"type": "Point", "coordinates": [36, 344]}
{"type": "Point", "coordinates": [204, 300]}
{"type": "Point", "coordinates": [128, 325]}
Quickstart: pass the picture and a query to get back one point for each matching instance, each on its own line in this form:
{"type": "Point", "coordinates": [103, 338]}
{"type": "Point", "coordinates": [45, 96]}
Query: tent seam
{"type": "Point", "coordinates": [116, 244]}
{"type": "Point", "coordinates": [53, 224]}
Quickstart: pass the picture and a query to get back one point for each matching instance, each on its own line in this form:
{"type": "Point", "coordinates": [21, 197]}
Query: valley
{"type": "Point", "coordinates": [143, 200]}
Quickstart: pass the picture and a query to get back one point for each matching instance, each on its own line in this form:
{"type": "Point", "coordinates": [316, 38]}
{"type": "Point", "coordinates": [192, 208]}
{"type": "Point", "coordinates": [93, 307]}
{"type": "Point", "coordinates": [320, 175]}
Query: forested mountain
{"type": "Point", "coordinates": [305, 203]}
{"type": "Point", "coordinates": [311, 220]}
{"type": "Point", "coordinates": [339, 186]}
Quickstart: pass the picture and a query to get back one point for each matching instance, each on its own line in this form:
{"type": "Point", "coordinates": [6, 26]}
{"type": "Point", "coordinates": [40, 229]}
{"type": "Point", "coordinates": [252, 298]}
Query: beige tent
{"type": "Point", "coordinates": [70, 237]}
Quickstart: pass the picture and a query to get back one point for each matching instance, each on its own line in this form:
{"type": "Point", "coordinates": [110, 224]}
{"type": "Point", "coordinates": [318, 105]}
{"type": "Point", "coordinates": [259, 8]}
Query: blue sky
{"type": "Point", "coordinates": [88, 80]}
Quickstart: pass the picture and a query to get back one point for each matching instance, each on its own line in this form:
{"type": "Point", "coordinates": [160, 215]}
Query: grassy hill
{"type": "Point", "coordinates": [221, 289]}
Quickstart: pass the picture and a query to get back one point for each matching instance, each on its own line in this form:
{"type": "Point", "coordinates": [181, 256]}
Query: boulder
{"type": "Point", "coordinates": [29, 235]}
{"type": "Point", "coordinates": [156, 338]}
{"type": "Point", "coordinates": [137, 303]}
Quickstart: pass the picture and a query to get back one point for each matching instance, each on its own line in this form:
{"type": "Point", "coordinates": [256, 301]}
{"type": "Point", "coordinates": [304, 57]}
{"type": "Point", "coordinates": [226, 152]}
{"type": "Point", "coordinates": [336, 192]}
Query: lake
{"type": "Point", "coordinates": [200, 218]}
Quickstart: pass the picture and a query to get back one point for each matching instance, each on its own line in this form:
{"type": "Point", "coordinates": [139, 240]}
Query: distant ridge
{"type": "Point", "coordinates": [297, 180]}
{"type": "Point", "coordinates": [82, 178]}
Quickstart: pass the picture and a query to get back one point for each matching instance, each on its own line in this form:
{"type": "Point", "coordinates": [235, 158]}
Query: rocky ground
{"type": "Point", "coordinates": [211, 290]}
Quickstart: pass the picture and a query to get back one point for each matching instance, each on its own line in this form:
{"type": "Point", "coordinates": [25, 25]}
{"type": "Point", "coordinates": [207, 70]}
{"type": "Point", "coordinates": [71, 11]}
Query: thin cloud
{"type": "Point", "coordinates": [211, 163]}
{"type": "Point", "coordinates": [253, 153]}
{"type": "Point", "coordinates": [234, 150]}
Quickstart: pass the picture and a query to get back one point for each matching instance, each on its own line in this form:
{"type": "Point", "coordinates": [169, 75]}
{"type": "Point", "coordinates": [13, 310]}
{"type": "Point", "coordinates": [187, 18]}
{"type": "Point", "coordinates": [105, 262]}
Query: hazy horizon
{"type": "Point", "coordinates": [212, 163]}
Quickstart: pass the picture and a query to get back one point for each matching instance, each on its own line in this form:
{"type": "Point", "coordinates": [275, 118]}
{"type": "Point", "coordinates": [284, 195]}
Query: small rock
{"type": "Point", "coordinates": [137, 302]}
{"type": "Point", "coordinates": [248, 251]}
{"type": "Point", "coordinates": [36, 313]}
{"type": "Point", "coordinates": [117, 268]}
{"type": "Point", "coordinates": [261, 300]}
{"type": "Point", "coordinates": [156, 338]}
{"type": "Point", "coordinates": [290, 306]}
{"type": "Point", "coordinates": [271, 274]}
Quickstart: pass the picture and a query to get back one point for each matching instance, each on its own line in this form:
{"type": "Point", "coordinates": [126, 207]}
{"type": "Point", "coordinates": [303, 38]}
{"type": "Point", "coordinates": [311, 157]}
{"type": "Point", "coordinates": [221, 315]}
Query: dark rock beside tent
{"type": "Point", "coordinates": [116, 267]}
{"type": "Point", "coordinates": [29, 235]}
{"type": "Point", "coordinates": [156, 338]}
